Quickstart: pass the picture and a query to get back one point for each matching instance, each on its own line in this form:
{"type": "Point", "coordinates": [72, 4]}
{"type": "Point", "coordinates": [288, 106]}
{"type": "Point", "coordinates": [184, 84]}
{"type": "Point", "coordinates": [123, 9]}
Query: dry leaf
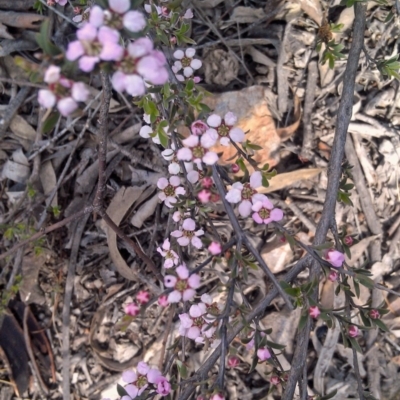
{"type": "Point", "coordinates": [358, 249]}
{"type": "Point", "coordinates": [15, 171]}
{"type": "Point", "coordinates": [246, 15]}
{"type": "Point", "coordinates": [277, 255]}
{"type": "Point", "coordinates": [260, 57]}
{"type": "Point", "coordinates": [313, 9]}
{"type": "Point", "coordinates": [287, 179]}
{"type": "Point", "coordinates": [220, 67]}
{"type": "Point", "coordinates": [22, 20]}
{"type": "Point", "coordinates": [145, 211]}
{"type": "Point", "coordinates": [22, 129]}
{"type": "Point", "coordinates": [49, 180]}
{"type": "Point", "coordinates": [4, 33]}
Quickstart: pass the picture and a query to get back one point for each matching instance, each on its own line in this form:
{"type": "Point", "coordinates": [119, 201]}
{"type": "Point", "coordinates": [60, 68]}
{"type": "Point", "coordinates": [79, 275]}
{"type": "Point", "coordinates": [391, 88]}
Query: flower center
{"type": "Point", "coordinates": [264, 213]}
{"type": "Point", "coordinates": [181, 286]}
{"type": "Point", "coordinates": [59, 90]}
{"type": "Point", "coordinates": [198, 152]}
{"type": "Point", "coordinates": [247, 192]}
{"type": "Point", "coordinates": [141, 381]}
{"type": "Point", "coordinates": [92, 49]}
{"type": "Point", "coordinates": [169, 191]}
{"type": "Point", "coordinates": [223, 130]}
{"type": "Point", "coordinates": [188, 234]}
{"type": "Point", "coordinates": [186, 62]}
{"type": "Point", "coordinates": [169, 255]}
{"type": "Point", "coordinates": [127, 65]}
{"type": "Point", "coordinates": [199, 322]}
{"type": "Point", "coordinates": [113, 20]}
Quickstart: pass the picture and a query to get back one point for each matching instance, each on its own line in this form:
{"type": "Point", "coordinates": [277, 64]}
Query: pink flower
{"type": "Point", "coordinates": [163, 386]}
{"type": "Point", "coordinates": [198, 127]}
{"type": "Point", "coordinates": [265, 212]}
{"type": "Point", "coordinates": [140, 63]}
{"type": "Point", "coordinates": [184, 285]}
{"type": "Point", "coordinates": [275, 380]}
{"type": "Point", "coordinates": [94, 45]}
{"type": "Point", "coordinates": [185, 62]}
{"type": "Point", "coordinates": [333, 276]}
{"type": "Point", "coordinates": [334, 257]}
{"type": "Point", "coordinates": [353, 331]}
{"type": "Point", "coordinates": [217, 396]}
{"type": "Point", "coordinates": [314, 312]}
{"type": "Point", "coordinates": [348, 240]}
{"type": "Point", "coordinates": [188, 235]}
{"type": "Point", "coordinates": [143, 297]}
{"type": "Point", "coordinates": [197, 150]}
{"type": "Point", "coordinates": [233, 362]}
{"type": "Point", "coordinates": [246, 193]}
{"type": "Point", "coordinates": [171, 257]}
{"type": "Point", "coordinates": [163, 301]}
{"type": "Point", "coordinates": [204, 196]}
{"type": "Point", "coordinates": [132, 309]}
{"type": "Point", "coordinates": [188, 14]}
{"type": "Point", "coordinates": [374, 314]}
{"type": "Point", "coordinates": [215, 248]}
{"type": "Point", "coordinates": [170, 190]}
{"type": "Point", "coordinates": [52, 74]}
{"type": "Point", "coordinates": [225, 128]}
{"type": "Point", "coordinates": [263, 354]}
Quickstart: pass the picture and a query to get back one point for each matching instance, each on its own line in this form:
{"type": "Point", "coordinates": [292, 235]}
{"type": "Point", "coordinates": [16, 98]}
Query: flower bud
{"type": "Point", "coordinates": [143, 297]}
{"type": "Point", "coordinates": [333, 276]}
{"type": "Point", "coordinates": [215, 248]}
{"type": "Point", "coordinates": [263, 354]}
{"type": "Point", "coordinates": [314, 312]}
{"type": "Point", "coordinates": [334, 257]}
{"type": "Point", "coordinates": [207, 182]}
{"type": "Point", "coordinates": [217, 396]}
{"type": "Point", "coordinates": [275, 380]}
{"type": "Point", "coordinates": [233, 362]}
{"type": "Point", "coordinates": [163, 301]}
{"type": "Point", "coordinates": [235, 168]}
{"type": "Point", "coordinates": [374, 314]}
{"type": "Point", "coordinates": [204, 196]}
{"type": "Point", "coordinates": [353, 331]}
{"type": "Point", "coordinates": [348, 241]}
{"type": "Point", "coordinates": [132, 309]}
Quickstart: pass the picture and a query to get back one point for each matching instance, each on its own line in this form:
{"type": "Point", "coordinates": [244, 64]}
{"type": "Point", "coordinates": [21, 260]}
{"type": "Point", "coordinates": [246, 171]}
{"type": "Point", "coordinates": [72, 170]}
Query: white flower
{"type": "Point", "coordinates": [225, 129]}
{"type": "Point", "coordinates": [170, 190]}
{"type": "Point", "coordinates": [186, 62]}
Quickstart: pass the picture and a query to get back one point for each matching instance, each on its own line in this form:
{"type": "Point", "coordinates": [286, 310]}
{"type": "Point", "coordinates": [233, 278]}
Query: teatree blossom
{"type": "Point", "coordinates": [198, 127]}
{"type": "Point", "coordinates": [144, 378]}
{"type": "Point", "coordinates": [197, 150]}
{"type": "Point", "coordinates": [171, 257]}
{"type": "Point", "coordinates": [185, 62]}
{"type": "Point", "coordinates": [246, 193]}
{"type": "Point", "coordinates": [263, 354]}
{"type": "Point", "coordinates": [170, 190]}
{"type": "Point", "coordinates": [333, 276]}
{"type": "Point", "coordinates": [143, 297]}
{"type": "Point", "coordinates": [132, 309]}
{"type": "Point", "coordinates": [334, 257]}
{"type": "Point", "coordinates": [140, 63]}
{"type": "Point", "coordinates": [265, 212]}
{"type": "Point", "coordinates": [61, 91]}
{"type": "Point", "coordinates": [94, 45]}
{"type": "Point", "coordinates": [225, 129]}
{"type": "Point", "coordinates": [215, 248]}
{"type": "Point", "coordinates": [184, 285]}
{"type": "Point", "coordinates": [118, 16]}
{"type": "Point", "coordinates": [187, 234]}
{"type": "Point", "coordinates": [204, 196]}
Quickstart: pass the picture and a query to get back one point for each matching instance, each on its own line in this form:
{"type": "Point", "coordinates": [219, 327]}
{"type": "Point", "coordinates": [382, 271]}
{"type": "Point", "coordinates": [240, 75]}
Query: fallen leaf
{"type": "Point", "coordinates": [22, 129]}
{"type": "Point", "coordinates": [4, 32]}
{"type": "Point", "coordinates": [259, 57]}
{"type": "Point", "coordinates": [358, 249]}
{"type": "Point", "coordinates": [287, 179]}
{"type": "Point", "coordinates": [48, 179]}
{"type": "Point", "coordinates": [313, 9]}
{"type": "Point", "coordinates": [246, 15]}
{"type": "Point", "coordinates": [15, 172]}
{"type": "Point", "coordinates": [145, 211]}
{"type": "Point", "coordinates": [22, 20]}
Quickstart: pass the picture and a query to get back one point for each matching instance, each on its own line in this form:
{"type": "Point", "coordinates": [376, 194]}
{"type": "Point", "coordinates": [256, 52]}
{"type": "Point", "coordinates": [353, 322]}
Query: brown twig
{"type": "Point", "coordinates": [334, 175]}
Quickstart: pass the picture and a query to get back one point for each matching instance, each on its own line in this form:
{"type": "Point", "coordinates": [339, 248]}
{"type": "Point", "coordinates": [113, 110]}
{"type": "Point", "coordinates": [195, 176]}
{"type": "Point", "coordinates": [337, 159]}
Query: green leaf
{"type": "Point", "coordinates": [182, 369]}
{"type": "Point", "coordinates": [121, 390]}
{"type": "Point", "coordinates": [43, 41]}
{"type": "Point", "coordinates": [354, 344]}
{"type": "Point", "coordinates": [329, 395]}
{"type": "Point", "coordinates": [275, 345]}
{"type": "Point", "coordinates": [50, 122]}
{"type": "Point", "coordinates": [380, 324]}
{"type": "Point", "coordinates": [303, 321]}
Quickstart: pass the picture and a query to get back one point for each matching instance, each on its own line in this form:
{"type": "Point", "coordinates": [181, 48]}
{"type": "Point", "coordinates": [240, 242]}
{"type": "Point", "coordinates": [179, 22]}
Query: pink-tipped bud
{"type": "Point", "coordinates": [283, 239]}
{"type": "Point", "coordinates": [235, 168]}
{"type": "Point", "coordinates": [215, 197]}
{"type": "Point", "coordinates": [143, 297]}
{"type": "Point", "coordinates": [233, 362]}
{"type": "Point", "coordinates": [348, 241]}
{"type": "Point", "coordinates": [374, 314]}
{"type": "Point", "coordinates": [215, 248]}
{"type": "Point", "coordinates": [333, 276]}
{"type": "Point", "coordinates": [353, 331]}
{"type": "Point", "coordinates": [163, 301]}
{"type": "Point", "coordinates": [263, 354]}
{"type": "Point", "coordinates": [275, 380]}
{"type": "Point", "coordinates": [172, 40]}
{"type": "Point", "coordinates": [132, 309]}
{"type": "Point", "coordinates": [207, 182]}
{"type": "Point", "coordinates": [198, 127]}
{"type": "Point", "coordinates": [77, 10]}
{"type": "Point", "coordinates": [314, 312]}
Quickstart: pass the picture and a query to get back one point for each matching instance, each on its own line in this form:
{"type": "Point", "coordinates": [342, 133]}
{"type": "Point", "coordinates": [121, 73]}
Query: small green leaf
{"type": "Point", "coordinates": [303, 321]}
{"type": "Point", "coordinates": [380, 324]}
{"type": "Point", "coordinates": [354, 344]}
{"type": "Point", "coordinates": [121, 390]}
{"type": "Point", "coordinates": [50, 122]}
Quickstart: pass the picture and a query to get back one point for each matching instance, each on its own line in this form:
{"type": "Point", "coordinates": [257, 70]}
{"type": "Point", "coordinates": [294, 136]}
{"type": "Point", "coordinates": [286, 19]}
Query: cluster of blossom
{"type": "Point", "coordinates": [144, 378]}
{"type": "Point", "coordinates": [133, 309]}
{"type": "Point", "coordinates": [200, 324]}
{"type": "Point", "coordinates": [186, 64]}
